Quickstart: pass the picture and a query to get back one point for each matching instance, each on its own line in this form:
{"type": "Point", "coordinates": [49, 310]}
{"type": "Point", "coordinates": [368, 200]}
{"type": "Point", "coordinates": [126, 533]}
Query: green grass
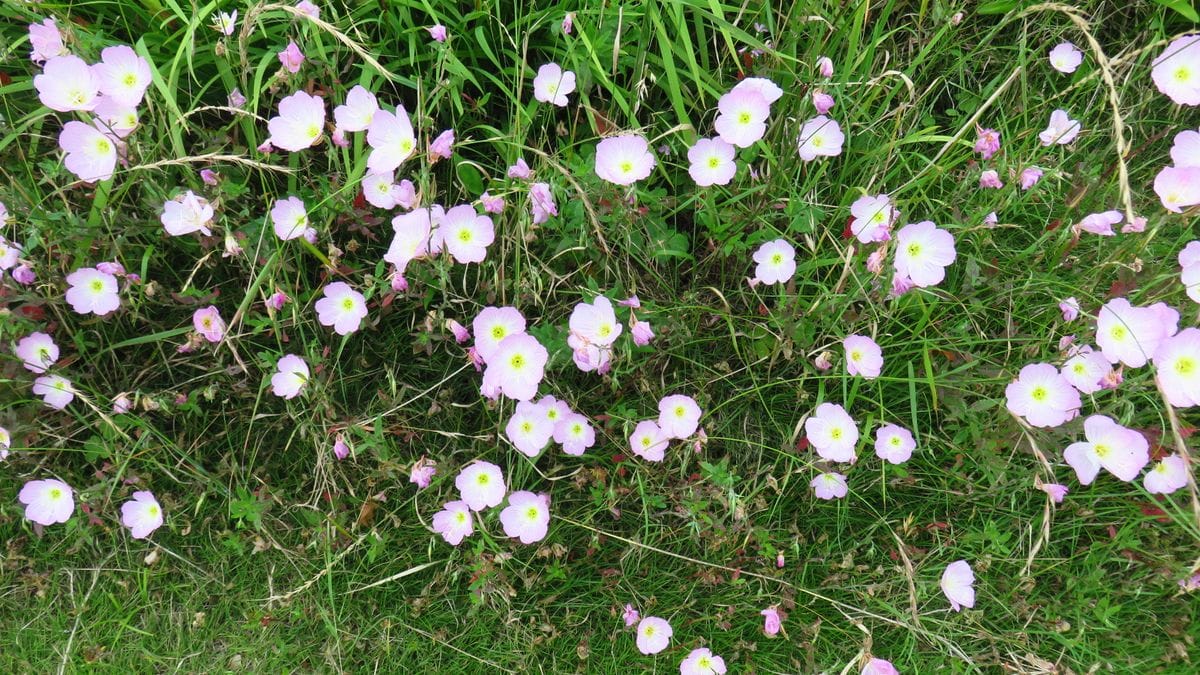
{"type": "Point", "coordinates": [258, 508]}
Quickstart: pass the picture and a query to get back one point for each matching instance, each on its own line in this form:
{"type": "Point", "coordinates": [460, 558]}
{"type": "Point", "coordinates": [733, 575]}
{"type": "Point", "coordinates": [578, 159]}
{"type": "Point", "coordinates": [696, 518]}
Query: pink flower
{"type": "Point", "coordinates": [822, 102]}
{"type": "Point", "coordinates": [413, 232]}
{"type": "Point", "coordinates": [568, 22]}
{"type": "Point", "coordinates": [492, 325]}
{"type": "Point", "coordinates": [342, 307]}
{"type": "Point", "coordinates": [1030, 176]}
{"type": "Point", "coordinates": [422, 473]}
{"type": "Point", "coordinates": [863, 356]}
{"type": "Point", "coordinates": [461, 334]}
{"type": "Point", "coordinates": [291, 376]}
{"type": "Point", "coordinates": [678, 416]}
{"type": "Point", "coordinates": [820, 137]}
{"type": "Point", "coordinates": [481, 485]}
{"type": "Point", "coordinates": [277, 300]}
{"type": "Point", "coordinates": [379, 189]}
{"type": "Point", "coordinates": [1101, 223]}
{"type": "Point", "coordinates": [1138, 224]}
{"type": "Point", "coordinates": [68, 83]}
{"type": "Point", "coordinates": [894, 443]}
{"type": "Point", "coordinates": [990, 179]}
{"type": "Point", "coordinates": [991, 219]}
{"type": "Point", "coordinates": [24, 275]}
{"type": "Point", "coordinates": [832, 433]}
{"type": "Point", "coordinates": [187, 213]}
{"type": "Point", "coordinates": [630, 615]}
{"type": "Point", "coordinates": [56, 391]}
{"type": "Point", "coordinates": [711, 162]}
{"type": "Point", "coordinates": [47, 501]}
{"type": "Point", "coordinates": [761, 86]}
{"type": "Point", "coordinates": [225, 23]}
{"type": "Point", "coordinates": [236, 98]}
{"type": "Point", "coordinates": [1065, 58]}
{"type": "Point", "coordinates": [115, 119]}
{"type": "Point", "coordinates": [642, 333]}
{"type": "Point", "coordinates": [92, 291]}
{"type": "Point", "coordinates": [209, 176]}
{"type": "Point", "coordinates": [299, 124]}
{"type": "Point", "coordinates": [1176, 72]}
{"type": "Point", "coordinates": [308, 9]}
{"type": "Point", "coordinates": [520, 170]}
{"type": "Point", "coordinates": [1167, 476]}
{"type": "Point", "coordinates": [122, 75]}
{"type": "Point", "coordinates": [825, 66]}
{"type": "Point", "coordinates": [1130, 335]}
{"type": "Point", "coordinates": [987, 142]}
{"type": "Point", "coordinates": [1178, 188]}
{"type": "Point", "coordinates": [824, 361]}
{"type": "Point", "coordinates": [341, 449]}
{"type": "Point", "coordinates": [527, 516]}
{"type": "Point", "coordinates": [542, 202]}
{"type": "Point", "coordinates": [923, 251]}
{"type": "Point", "coordinates": [114, 268]}
{"type": "Point", "coordinates": [292, 58]}
{"type": "Point", "coordinates": [1042, 396]}
{"type": "Point", "coordinates": [208, 323]}
{"type": "Point", "coordinates": [1121, 451]}
{"type": "Point", "coordinates": [437, 32]}
{"type": "Point", "coordinates": [653, 635]}
{"type": "Point", "coordinates": [742, 117]}
{"type": "Point", "coordinates": [442, 147]}
{"type": "Point", "coordinates": [1055, 491]}
{"type": "Point", "coordinates": [528, 429]}
{"type": "Point", "coordinates": [776, 262]}
{"type": "Point", "coordinates": [574, 433]}
{"type": "Point", "coordinates": [879, 667]}
{"type": "Point", "coordinates": [958, 585]}
{"type": "Point", "coordinates": [1069, 309]}
{"type": "Point", "coordinates": [492, 204]}
{"type": "Point", "coordinates": [454, 522]}
{"type": "Point", "coordinates": [873, 217]}
{"type": "Point", "coordinates": [467, 234]}
{"type": "Point", "coordinates": [357, 113]}
{"type": "Point", "coordinates": [46, 41]}
{"type": "Point", "coordinates": [702, 661]}
{"type": "Point", "coordinates": [289, 218]}
{"type": "Point", "coordinates": [122, 404]}
{"type": "Point", "coordinates": [552, 84]}
{"type": "Point", "coordinates": [648, 441]}
{"type": "Point", "coordinates": [91, 151]}
{"type": "Point", "coordinates": [830, 485]}
{"type": "Point", "coordinates": [624, 160]}
{"type": "Point", "coordinates": [37, 352]}
{"type": "Point", "coordinates": [1177, 364]}
{"type": "Point", "coordinates": [517, 367]}
{"type": "Point", "coordinates": [1086, 370]}
{"type": "Point", "coordinates": [595, 323]}
{"type": "Point", "coordinates": [142, 514]}
{"type": "Point", "coordinates": [1062, 129]}
{"type": "Point", "coordinates": [1185, 149]}
{"type": "Point", "coordinates": [772, 621]}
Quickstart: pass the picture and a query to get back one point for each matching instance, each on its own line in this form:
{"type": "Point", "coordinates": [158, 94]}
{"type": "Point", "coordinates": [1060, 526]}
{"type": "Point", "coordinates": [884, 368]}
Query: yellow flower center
{"type": "Point", "coordinates": [97, 286]}
{"type": "Point", "coordinates": [1039, 394]}
{"type": "Point", "coordinates": [1101, 450]}
{"type": "Point", "coordinates": [680, 411]}
{"type": "Point", "coordinates": [836, 433]}
{"type": "Point", "coordinates": [55, 494]}
{"type": "Point", "coordinates": [817, 141]}
{"type": "Point", "coordinates": [498, 332]}
{"type": "Point", "coordinates": [526, 427]}
{"type": "Point", "coordinates": [461, 517]}
{"type": "Point", "coordinates": [1185, 366]}
{"type": "Point", "coordinates": [626, 167]}
{"type": "Point", "coordinates": [482, 479]}
{"type": "Point", "coordinates": [777, 259]}
{"type": "Point", "coordinates": [153, 510]}
{"type": "Point", "coordinates": [914, 250]}
{"type": "Point", "coordinates": [406, 146]}
{"type": "Point", "coordinates": [532, 513]}
{"type": "Point", "coordinates": [129, 80]}
{"type": "Point", "coordinates": [855, 355]}
{"type": "Point", "coordinates": [348, 304]}
{"type": "Point", "coordinates": [714, 162]}
{"type": "Point", "coordinates": [605, 330]}
{"type": "Point", "coordinates": [103, 146]}
{"type": "Point", "coordinates": [1118, 333]}
{"type": "Point", "coordinates": [517, 362]}
{"type": "Point", "coordinates": [1183, 74]}
{"type": "Point", "coordinates": [465, 236]}
{"type": "Point", "coordinates": [313, 131]}
{"type": "Point", "coordinates": [743, 117]}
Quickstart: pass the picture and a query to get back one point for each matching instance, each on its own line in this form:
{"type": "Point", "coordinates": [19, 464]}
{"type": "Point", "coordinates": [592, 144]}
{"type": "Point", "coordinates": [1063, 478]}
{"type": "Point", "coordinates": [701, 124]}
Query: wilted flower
{"type": "Point", "coordinates": [225, 22]}
{"type": "Point", "coordinates": [492, 204]}
{"type": "Point", "coordinates": [1030, 176]}
{"type": "Point", "coordinates": [641, 332]}
{"type": "Point", "coordinates": [1055, 491]}
{"type": "Point", "coordinates": [880, 666]}
{"type": "Point", "coordinates": [990, 179]}
{"type": "Point", "coordinates": [520, 170]}
{"type": "Point", "coordinates": [541, 202]}
{"type": "Point", "coordinates": [422, 473]}
{"type": "Point", "coordinates": [142, 514]}
{"type": "Point", "coordinates": [630, 615]}
{"type": "Point", "coordinates": [772, 621]}
{"type": "Point", "coordinates": [292, 58]}
{"type": "Point", "coordinates": [822, 102]}
{"type": "Point", "coordinates": [568, 22]}
{"type": "Point", "coordinates": [308, 9]}
{"type": "Point", "coordinates": [1069, 309]}
{"type": "Point", "coordinates": [1101, 223]}
{"type": "Point", "coordinates": [437, 32]}
{"type": "Point", "coordinates": [442, 147]}
{"type": "Point", "coordinates": [825, 66]}
{"type": "Point", "coordinates": [987, 142]}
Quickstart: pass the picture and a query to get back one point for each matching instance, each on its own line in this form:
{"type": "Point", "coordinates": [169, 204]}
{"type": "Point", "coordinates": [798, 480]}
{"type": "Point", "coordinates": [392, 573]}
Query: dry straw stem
{"type": "Point", "coordinates": [212, 157]}
{"type": "Point", "coordinates": [1114, 99]}
{"type": "Point", "coordinates": [1181, 448]}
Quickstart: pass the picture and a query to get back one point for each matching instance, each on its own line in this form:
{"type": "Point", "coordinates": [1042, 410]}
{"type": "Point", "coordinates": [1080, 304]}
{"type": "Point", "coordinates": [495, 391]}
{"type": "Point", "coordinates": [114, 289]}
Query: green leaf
{"type": "Point", "coordinates": [1183, 7]}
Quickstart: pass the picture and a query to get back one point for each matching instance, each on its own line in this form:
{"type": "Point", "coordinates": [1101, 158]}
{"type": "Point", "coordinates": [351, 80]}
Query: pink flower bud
{"type": "Point", "coordinates": [822, 102]}
{"type": "Point", "coordinates": [437, 32]}
{"type": "Point", "coordinates": [642, 334]}
{"type": "Point", "coordinates": [824, 361]}
{"type": "Point", "coordinates": [340, 449]}
{"type": "Point", "coordinates": [631, 301]}
{"type": "Point", "coordinates": [23, 274]}
{"type": "Point", "coordinates": [825, 66]}
{"type": "Point", "coordinates": [277, 300]}
{"type": "Point", "coordinates": [461, 334]}
{"type": "Point", "coordinates": [208, 176]}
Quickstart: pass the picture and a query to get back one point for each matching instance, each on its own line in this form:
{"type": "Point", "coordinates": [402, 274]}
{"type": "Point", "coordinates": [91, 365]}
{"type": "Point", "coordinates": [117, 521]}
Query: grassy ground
{"type": "Point", "coordinates": [276, 557]}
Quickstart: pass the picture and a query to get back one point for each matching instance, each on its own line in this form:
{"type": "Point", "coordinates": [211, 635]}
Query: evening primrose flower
{"type": "Point", "coordinates": [1178, 188]}
{"type": "Point", "coordinates": [10, 251]}
{"type": "Point", "coordinates": [822, 101]}
{"type": "Point", "coordinates": [894, 443]}
{"type": "Point", "coordinates": [879, 667]}
{"type": "Point", "coordinates": [923, 251]}
{"type": "Point", "coordinates": [1062, 129]}
{"type": "Point", "coordinates": [92, 291]}
{"type": "Point", "coordinates": [829, 485]}
{"type": "Point", "coordinates": [1176, 71]}
{"type": "Point", "coordinates": [114, 118]}
{"type": "Point", "coordinates": [1065, 57]}
{"type": "Point", "coordinates": [760, 85]}
{"type": "Point", "coordinates": [492, 325]}
{"type": "Point", "coordinates": [776, 262]}
{"type": "Point", "coordinates": [1101, 223]}
{"type": "Point", "coordinates": [413, 235]}
{"type": "Point", "coordinates": [454, 522]}
{"type": "Point", "coordinates": [437, 32]}
{"type": "Point", "coordinates": [481, 485]}
{"type": "Point", "coordinates": [442, 147]}
{"type": "Point", "coordinates": [291, 57]}
{"type": "Point", "coordinates": [225, 22]}
{"type": "Point", "coordinates": [630, 615]}
{"type": "Point", "coordinates": [820, 137]}
{"type": "Point", "coordinates": [467, 234]}
{"type": "Point", "coordinates": [575, 433]}
{"type": "Point", "coordinates": [527, 516]}
{"type": "Point", "coordinates": [47, 501]}
{"type": "Point", "coordinates": [541, 202]}
{"type": "Point", "coordinates": [187, 213]}
{"type": "Point", "coordinates": [825, 66]}
{"type": "Point", "coordinates": [56, 391]}
{"type": "Point", "coordinates": [46, 41]}
{"type": "Point", "coordinates": [642, 333]}
{"type": "Point", "coordinates": [391, 138]}
{"type": "Point", "coordinates": [520, 170]}
{"type": "Point", "coordinates": [653, 635]}
{"type": "Point", "coordinates": [422, 473]}
{"type": "Point", "coordinates": [528, 429]}
{"type": "Point", "coordinates": [37, 352]}
{"type": "Point", "coordinates": [1130, 335]}
{"type": "Point", "coordinates": [308, 9]}
{"type": "Point", "coordinates": [1042, 396]}
{"type": "Point", "coordinates": [711, 162]}
{"type": "Point", "coordinates": [492, 204]}
{"type": "Point", "coordinates": [1057, 492]}
{"type": "Point", "coordinates": [299, 124]}
{"type": "Point", "coordinates": [142, 514]}
{"type": "Point", "coordinates": [291, 376]}
{"type": "Point", "coordinates": [678, 416]}
{"type": "Point", "coordinates": [1177, 366]}
{"type": "Point", "coordinates": [990, 179]}
{"type": "Point", "coordinates": [1069, 308]}
{"type": "Point", "coordinates": [209, 324]}
{"type": "Point", "coordinates": [1169, 475]}
{"type": "Point", "coordinates": [873, 217]}
{"type": "Point", "coordinates": [863, 356]}
{"type": "Point", "coordinates": [516, 368]}
{"type": "Point", "coordinates": [702, 661]}
{"type": "Point", "coordinates": [289, 218]}
{"type": "Point", "coordinates": [358, 111]}
{"type": "Point", "coordinates": [1030, 176]}
{"type": "Point", "coordinates": [742, 117]}
{"type": "Point", "coordinates": [648, 441]}
{"type": "Point", "coordinates": [380, 189]}
{"type": "Point", "coordinates": [832, 433]}
{"type": "Point", "coordinates": [958, 585]}
{"type": "Point", "coordinates": [91, 152]}
{"type": "Point", "coordinates": [68, 83]}
{"type": "Point", "coordinates": [1119, 450]}
{"type": "Point", "coordinates": [122, 75]}
{"type": "Point", "coordinates": [553, 84]}
{"type": "Point", "coordinates": [1086, 370]}
{"type": "Point", "coordinates": [595, 323]}
{"type": "Point", "coordinates": [5, 443]}
{"type": "Point", "coordinates": [342, 307]}
{"type": "Point", "coordinates": [624, 160]}
{"type": "Point", "coordinates": [987, 142]}
{"type": "Point", "coordinates": [1185, 149]}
